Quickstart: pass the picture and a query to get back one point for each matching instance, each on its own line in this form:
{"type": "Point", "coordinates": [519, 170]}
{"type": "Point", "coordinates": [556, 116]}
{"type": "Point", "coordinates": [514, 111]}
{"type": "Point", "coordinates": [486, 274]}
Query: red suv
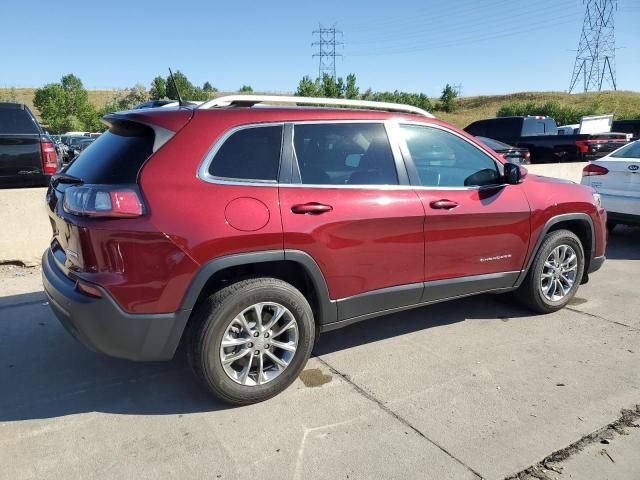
{"type": "Point", "coordinates": [245, 230]}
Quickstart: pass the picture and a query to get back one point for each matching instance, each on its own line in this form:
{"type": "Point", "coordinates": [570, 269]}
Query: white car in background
{"type": "Point", "coordinates": [616, 177]}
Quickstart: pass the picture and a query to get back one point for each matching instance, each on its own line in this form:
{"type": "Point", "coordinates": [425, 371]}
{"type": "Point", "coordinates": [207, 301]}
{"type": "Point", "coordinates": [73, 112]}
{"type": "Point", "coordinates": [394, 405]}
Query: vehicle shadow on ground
{"type": "Point", "coordinates": [45, 373]}
{"type": "Point", "coordinates": [624, 243]}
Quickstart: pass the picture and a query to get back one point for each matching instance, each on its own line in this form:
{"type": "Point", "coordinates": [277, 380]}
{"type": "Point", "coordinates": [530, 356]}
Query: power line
{"type": "Point", "coordinates": [439, 25]}
{"type": "Point", "coordinates": [327, 50]}
{"type": "Point", "coordinates": [596, 57]}
{"type": "Point", "coordinates": [514, 30]}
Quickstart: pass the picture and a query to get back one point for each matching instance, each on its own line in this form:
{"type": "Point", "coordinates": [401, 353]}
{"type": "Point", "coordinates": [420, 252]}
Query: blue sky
{"type": "Point", "coordinates": [489, 46]}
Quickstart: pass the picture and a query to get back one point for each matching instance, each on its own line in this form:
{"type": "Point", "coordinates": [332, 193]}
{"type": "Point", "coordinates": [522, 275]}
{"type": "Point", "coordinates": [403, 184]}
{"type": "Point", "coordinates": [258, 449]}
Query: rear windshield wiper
{"type": "Point", "coordinates": [62, 177]}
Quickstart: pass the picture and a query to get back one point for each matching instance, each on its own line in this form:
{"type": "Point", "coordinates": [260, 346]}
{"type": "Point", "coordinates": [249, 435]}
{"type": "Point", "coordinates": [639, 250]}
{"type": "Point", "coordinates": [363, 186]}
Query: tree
{"type": "Point", "coordinates": [330, 88]}
{"type": "Point", "coordinates": [246, 88]}
{"type": "Point", "coordinates": [187, 90]}
{"type": "Point", "coordinates": [65, 106]}
{"type": "Point", "coordinates": [208, 88]}
{"type": "Point", "coordinates": [448, 98]}
{"type": "Point", "coordinates": [308, 87]}
{"type": "Point", "coordinates": [351, 90]}
{"type": "Point", "coordinates": [158, 89]}
{"type": "Point", "coordinates": [127, 99]}
{"type": "Point", "coordinates": [180, 83]}
{"type": "Point", "coordinates": [50, 102]}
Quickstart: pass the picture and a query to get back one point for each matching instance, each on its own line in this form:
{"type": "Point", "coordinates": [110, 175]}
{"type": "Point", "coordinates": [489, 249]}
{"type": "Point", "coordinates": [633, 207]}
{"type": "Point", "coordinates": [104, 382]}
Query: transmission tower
{"type": "Point", "coordinates": [595, 61]}
{"type": "Point", "coordinates": [327, 42]}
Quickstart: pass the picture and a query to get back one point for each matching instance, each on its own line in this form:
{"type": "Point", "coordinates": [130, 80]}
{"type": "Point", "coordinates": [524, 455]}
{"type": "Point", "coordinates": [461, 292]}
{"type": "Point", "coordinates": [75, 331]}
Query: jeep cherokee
{"type": "Point", "coordinates": [244, 230]}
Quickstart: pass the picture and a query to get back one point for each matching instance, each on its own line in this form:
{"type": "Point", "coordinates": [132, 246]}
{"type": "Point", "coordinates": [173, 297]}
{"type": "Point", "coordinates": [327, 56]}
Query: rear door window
{"type": "Point", "coordinates": [116, 156]}
{"type": "Point", "coordinates": [344, 154]}
{"type": "Point", "coordinates": [249, 154]}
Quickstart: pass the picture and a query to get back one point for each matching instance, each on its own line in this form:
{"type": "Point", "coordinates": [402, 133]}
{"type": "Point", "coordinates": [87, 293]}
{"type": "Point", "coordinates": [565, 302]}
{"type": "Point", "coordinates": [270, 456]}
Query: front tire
{"type": "Point", "coordinates": [250, 340]}
{"type": "Point", "coordinates": [555, 275]}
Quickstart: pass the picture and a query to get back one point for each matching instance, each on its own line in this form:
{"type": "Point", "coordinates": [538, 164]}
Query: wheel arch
{"type": "Point", "coordinates": [579, 223]}
{"type": "Point", "coordinates": [293, 266]}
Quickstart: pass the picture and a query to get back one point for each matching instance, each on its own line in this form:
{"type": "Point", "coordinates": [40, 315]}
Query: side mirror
{"type": "Point", "coordinates": [512, 173]}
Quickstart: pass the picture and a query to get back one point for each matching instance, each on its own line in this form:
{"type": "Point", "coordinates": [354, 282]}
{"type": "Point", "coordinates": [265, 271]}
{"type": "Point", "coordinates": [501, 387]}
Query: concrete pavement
{"type": "Point", "coordinates": [467, 389]}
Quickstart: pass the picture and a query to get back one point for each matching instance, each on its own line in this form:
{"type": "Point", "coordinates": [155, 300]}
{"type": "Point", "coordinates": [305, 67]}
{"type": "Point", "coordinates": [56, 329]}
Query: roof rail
{"type": "Point", "coordinates": [251, 100]}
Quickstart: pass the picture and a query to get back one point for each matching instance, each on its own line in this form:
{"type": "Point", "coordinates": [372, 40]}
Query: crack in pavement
{"type": "Point", "coordinates": [628, 418]}
{"type": "Point", "coordinates": [593, 315]}
{"type": "Point", "coordinates": [387, 410]}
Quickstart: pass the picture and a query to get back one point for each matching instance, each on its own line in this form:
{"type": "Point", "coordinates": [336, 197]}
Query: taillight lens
{"type": "Point", "coordinates": [49, 157]}
{"type": "Point", "coordinates": [88, 289]}
{"type": "Point", "coordinates": [593, 169]}
{"type": "Point", "coordinates": [97, 201]}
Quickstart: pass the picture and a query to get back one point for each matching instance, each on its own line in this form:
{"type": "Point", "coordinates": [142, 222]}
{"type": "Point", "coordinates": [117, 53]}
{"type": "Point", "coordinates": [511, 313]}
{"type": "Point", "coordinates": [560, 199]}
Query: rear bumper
{"type": "Point", "coordinates": [621, 207]}
{"type": "Point", "coordinates": [101, 325]}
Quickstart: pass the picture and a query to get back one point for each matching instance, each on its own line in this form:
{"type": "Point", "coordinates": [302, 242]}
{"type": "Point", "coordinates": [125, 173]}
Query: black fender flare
{"type": "Point", "coordinates": [583, 217]}
{"type": "Point", "coordinates": [327, 308]}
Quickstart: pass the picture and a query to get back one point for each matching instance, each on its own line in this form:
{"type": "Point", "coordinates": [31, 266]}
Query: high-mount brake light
{"type": "Point", "coordinates": [103, 201]}
{"type": "Point", "coordinates": [593, 169]}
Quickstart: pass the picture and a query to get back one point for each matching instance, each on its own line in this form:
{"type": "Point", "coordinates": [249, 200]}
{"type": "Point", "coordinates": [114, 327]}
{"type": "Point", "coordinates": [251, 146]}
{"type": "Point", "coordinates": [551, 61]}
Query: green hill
{"type": "Point", "coordinates": [621, 103]}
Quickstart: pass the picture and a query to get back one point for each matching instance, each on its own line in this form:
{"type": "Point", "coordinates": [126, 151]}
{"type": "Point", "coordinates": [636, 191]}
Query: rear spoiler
{"type": "Point", "coordinates": [165, 124]}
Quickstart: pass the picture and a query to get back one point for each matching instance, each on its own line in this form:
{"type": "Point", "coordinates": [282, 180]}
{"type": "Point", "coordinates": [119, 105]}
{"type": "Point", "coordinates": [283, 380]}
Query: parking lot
{"type": "Point", "coordinates": [472, 388]}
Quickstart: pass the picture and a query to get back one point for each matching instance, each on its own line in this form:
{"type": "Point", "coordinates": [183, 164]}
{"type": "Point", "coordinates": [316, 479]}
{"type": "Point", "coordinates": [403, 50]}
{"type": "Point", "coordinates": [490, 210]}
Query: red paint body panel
{"type": "Point", "coordinates": [468, 239]}
{"type": "Point", "coordinates": [550, 197]}
{"type": "Point", "coordinates": [371, 239]}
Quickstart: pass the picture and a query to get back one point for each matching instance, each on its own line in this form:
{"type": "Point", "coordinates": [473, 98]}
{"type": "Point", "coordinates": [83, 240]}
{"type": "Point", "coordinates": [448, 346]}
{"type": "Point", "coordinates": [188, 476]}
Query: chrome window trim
{"type": "Point", "coordinates": [395, 139]}
{"type": "Point", "coordinates": [203, 170]}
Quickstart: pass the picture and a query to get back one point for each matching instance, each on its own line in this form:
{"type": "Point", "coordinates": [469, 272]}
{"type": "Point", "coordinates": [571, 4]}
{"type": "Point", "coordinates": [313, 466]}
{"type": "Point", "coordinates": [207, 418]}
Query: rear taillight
{"type": "Point", "coordinates": [49, 157]}
{"type": "Point", "coordinates": [593, 169]}
{"type": "Point", "coordinates": [583, 146]}
{"type": "Point", "coordinates": [97, 201]}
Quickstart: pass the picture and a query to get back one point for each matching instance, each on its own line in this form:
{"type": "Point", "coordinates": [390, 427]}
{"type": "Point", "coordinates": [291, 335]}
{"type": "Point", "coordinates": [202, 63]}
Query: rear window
{"type": "Point", "coordinates": [629, 151]}
{"type": "Point", "coordinates": [497, 128]}
{"type": "Point", "coordinates": [17, 121]}
{"type": "Point", "coordinates": [249, 154]}
{"type": "Point", "coordinates": [116, 156]}
{"type": "Point", "coordinates": [627, 127]}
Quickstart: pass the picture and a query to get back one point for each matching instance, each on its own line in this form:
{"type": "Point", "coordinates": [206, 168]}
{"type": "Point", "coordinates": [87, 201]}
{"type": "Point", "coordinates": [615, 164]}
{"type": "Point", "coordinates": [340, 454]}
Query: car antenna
{"type": "Point", "coordinates": [180, 102]}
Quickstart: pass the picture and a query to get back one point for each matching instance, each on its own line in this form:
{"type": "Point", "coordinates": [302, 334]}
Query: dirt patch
{"type": "Point", "coordinates": [313, 377]}
{"type": "Point", "coordinates": [552, 463]}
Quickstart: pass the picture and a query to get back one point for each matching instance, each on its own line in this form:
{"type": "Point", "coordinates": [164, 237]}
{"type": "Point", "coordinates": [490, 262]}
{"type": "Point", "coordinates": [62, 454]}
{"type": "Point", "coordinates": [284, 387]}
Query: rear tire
{"type": "Point", "coordinates": [261, 369]}
{"type": "Point", "coordinates": [611, 226]}
{"type": "Point", "coordinates": [550, 284]}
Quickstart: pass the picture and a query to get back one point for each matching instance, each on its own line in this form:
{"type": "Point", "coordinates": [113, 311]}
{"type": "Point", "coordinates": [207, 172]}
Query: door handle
{"type": "Point", "coordinates": [311, 208]}
{"type": "Point", "coordinates": [443, 204]}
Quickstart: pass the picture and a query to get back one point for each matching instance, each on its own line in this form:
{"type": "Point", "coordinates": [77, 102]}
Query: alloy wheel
{"type": "Point", "coordinates": [559, 273]}
{"type": "Point", "coordinates": [259, 344]}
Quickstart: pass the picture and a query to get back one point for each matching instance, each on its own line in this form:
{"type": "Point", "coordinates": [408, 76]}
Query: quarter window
{"type": "Point", "coordinates": [344, 154]}
{"type": "Point", "coordinates": [249, 154]}
{"type": "Point", "coordinates": [443, 159]}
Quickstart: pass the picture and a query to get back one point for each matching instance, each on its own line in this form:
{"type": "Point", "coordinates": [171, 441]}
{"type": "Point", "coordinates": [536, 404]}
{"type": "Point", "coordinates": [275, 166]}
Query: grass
{"type": "Point", "coordinates": [469, 108]}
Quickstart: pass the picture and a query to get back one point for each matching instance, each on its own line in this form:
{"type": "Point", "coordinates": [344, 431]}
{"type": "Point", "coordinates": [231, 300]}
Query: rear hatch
{"type": "Point", "coordinates": [20, 151]}
{"type": "Point", "coordinates": [97, 196]}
